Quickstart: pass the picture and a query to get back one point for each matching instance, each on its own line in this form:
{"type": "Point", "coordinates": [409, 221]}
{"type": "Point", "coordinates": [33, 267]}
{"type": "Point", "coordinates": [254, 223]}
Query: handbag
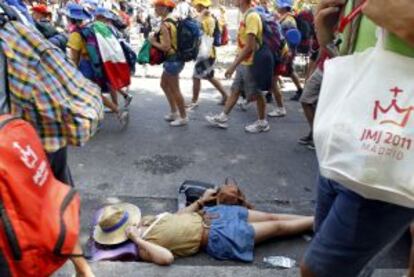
{"type": "Point", "coordinates": [363, 130]}
{"type": "Point", "coordinates": [144, 53]}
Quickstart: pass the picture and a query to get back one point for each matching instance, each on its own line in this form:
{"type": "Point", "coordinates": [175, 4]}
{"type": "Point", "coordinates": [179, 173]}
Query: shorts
{"type": "Point", "coordinates": [173, 67]}
{"type": "Point", "coordinates": [244, 82]}
{"type": "Point", "coordinates": [351, 230]}
{"type": "Point", "coordinates": [231, 237]}
{"type": "Point", "coordinates": [59, 164]}
{"type": "Point", "coordinates": [312, 88]}
{"type": "Point", "coordinates": [204, 69]}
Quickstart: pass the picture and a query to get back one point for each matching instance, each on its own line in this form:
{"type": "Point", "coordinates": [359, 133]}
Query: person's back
{"type": "Point", "coordinates": [179, 233]}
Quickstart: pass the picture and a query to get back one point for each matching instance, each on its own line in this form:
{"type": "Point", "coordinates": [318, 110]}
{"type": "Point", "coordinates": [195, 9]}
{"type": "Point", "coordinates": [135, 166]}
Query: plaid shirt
{"type": "Point", "coordinates": [47, 90]}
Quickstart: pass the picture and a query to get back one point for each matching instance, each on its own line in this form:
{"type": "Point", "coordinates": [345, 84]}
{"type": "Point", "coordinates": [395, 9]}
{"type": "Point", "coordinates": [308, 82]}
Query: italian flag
{"type": "Point", "coordinates": [114, 63]}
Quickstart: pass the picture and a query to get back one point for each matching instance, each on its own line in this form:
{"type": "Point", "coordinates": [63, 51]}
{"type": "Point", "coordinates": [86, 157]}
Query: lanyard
{"type": "Point", "coordinates": [346, 20]}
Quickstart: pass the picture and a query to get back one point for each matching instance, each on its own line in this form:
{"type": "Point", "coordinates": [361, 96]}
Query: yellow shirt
{"type": "Point", "coordinates": [250, 24]}
{"type": "Point", "coordinates": [179, 233]}
{"type": "Point", "coordinates": [77, 43]}
{"type": "Point", "coordinates": [172, 28]}
{"type": "Point", "coordinates": [208, 24]}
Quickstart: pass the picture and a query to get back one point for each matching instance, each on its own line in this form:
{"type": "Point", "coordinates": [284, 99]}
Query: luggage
{"type": "Point", "coordinates": [39, 216]}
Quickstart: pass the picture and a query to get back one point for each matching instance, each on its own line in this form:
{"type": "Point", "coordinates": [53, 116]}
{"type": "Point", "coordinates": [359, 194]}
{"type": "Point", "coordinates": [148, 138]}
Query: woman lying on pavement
{"type": "Point", "coordinates": [225, 232]}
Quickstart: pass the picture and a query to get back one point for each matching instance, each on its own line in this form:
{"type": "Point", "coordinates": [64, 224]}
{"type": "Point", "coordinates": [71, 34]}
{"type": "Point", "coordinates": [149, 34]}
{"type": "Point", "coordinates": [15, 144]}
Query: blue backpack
{"type": "Point", "coordinates": [188, 38]}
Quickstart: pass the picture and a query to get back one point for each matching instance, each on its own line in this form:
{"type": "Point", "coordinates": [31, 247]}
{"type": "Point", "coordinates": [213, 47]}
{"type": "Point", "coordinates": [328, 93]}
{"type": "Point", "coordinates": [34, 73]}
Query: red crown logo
{"type": "Point", "coordinates": [403, 114]}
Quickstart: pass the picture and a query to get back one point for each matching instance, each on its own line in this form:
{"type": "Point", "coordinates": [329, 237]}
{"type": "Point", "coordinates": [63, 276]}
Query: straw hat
{"type": "Point", "coordinates": [165, 3]}
{"type": "Point", "coordinates": [114, 220]}
{"type": "Point", "coordinates": [204, 3]}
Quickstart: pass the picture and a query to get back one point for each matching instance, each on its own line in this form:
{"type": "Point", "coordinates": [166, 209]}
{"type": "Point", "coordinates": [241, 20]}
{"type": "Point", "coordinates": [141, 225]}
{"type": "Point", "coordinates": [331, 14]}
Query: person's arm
{"type": "Point", "coordinates": [75, 56]}
{"type": "Point", "coordinates": [75, 46]}
{"type": "Point", "coordinates": [209, 195]}
{"type": "Point", "coordinates": [149, 252]}
{"type": "Point", "coordinates": [166, 43]}
{"type": "Point", "coordinates": [326, 20]}
{"type": "Point", "coordinates": [398, 18]}
{"type": "Point", "coordinates": [252, 29]}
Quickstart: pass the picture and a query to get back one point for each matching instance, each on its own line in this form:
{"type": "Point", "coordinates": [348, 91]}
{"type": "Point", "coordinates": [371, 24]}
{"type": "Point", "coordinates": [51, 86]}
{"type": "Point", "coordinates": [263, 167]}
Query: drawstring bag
{"type": "Point", "coordinates": [205, 47]}
{"type": "Point", "coordinates": [364, 125]}
{"type": "Point", "coordinates": [144, 53]}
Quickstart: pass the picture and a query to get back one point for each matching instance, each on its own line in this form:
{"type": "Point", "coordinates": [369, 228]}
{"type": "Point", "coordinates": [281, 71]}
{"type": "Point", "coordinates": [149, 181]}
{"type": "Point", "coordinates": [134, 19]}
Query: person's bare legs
{"type": "Point", "coordinates": [114, 96]}
{"type": "Point", "coordinates": [231, 102]}
{"type": "Point", "coordinates": [271, 229]}
{"type": "Point", "coordinates": [261, 107]}
{"type": "Point", "coordinates": [217, 84]}
{"type": "Point", "coordinates": [196, 90]}
{"type": "Point", "coordinates": [258, 216]}
{"type": "Point", "coordinates": [109, 104]}
{"type": "Point", "coordinates": [277, 92]}
{"type": "Point", "coordinates": [167, 91]}
{"type": "Point", "coordinates": [82, 267]}
{"type": "Point", "coordinates": [295, 78]}
{"type": "Point", "coordinates": [174, 85]}
{"type": "Point", "coordinates": [309, 111]}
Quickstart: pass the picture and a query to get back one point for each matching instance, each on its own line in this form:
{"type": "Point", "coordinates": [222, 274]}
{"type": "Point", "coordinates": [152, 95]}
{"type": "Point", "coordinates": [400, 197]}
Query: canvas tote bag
{"type": "Point", "coordinates": [364, 124]}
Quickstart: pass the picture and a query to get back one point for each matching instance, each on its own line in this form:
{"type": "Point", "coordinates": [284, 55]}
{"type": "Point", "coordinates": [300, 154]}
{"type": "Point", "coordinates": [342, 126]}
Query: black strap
{"type": "Point", "coordinates": [62, 234]}
{"type": "Point", "coordinates": [4, 267]}
{"type": "Point", "coordinates": [10, 233]}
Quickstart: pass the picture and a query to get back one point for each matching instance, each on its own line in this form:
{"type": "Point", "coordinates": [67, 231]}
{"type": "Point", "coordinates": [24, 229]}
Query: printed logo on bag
{"type": "Point", "coordinates": [31, 161]}
{"type": "Point", "coordinates": [385, 111]}
{"type": "Point", "coordinates": [387, 143]}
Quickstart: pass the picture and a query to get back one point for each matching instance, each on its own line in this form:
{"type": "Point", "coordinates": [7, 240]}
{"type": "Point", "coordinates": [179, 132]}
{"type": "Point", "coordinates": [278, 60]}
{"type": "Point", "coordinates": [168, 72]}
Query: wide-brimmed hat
{"type": "Point", "coordinates": [77, 12]}
{"type": "Point", "coordinates": [42, 9]}
{"type": "Point", "coordinates": [113, 221]}
{"type": "Point", "coordinates": [165, 3]}
{"type": "Point", "coordinates": [204, 3]}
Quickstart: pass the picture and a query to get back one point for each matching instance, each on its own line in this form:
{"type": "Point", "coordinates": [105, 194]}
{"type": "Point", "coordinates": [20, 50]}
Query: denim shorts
{"type": "Point", "coordinates": [231, 237]}
{"type": "Point", "coordinates": [173, 67]}
{"type": "Point", "coordinates": [351, 230]}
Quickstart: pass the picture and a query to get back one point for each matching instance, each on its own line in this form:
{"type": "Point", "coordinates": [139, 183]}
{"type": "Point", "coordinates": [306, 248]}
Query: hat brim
{"type": "Point", "coordinates": [118, 236]}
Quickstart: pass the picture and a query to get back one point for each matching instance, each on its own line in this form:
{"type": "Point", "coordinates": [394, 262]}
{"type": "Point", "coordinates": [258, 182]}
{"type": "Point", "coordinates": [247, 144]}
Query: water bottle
{"type": "Point", "coordinates": [279, 261]}
{"type": "Point", "coordinates": [182, 200]}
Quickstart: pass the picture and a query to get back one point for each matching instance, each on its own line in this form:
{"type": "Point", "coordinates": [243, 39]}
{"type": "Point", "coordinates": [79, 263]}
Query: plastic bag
{"type": "Point", "coordinates": [205, 47]}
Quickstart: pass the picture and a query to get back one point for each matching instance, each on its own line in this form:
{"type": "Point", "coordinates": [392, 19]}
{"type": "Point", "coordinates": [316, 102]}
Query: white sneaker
{"type": "Point", "coordinates": [258, 127]}
{"type": "Point", "coordinates": [171, 117]}
{"type": "Point", "coordinates": [277, 112]}
{"type": "Point", "coordinates": [192, 106]}
{"type": "Point", "coordinates": [219, 120]}
{"type": "Point", "coordinates": [244, 104]}
{"type": "Point", "coordinates": [123, 117]}
{"type": "Point", "coordinates": [179, 122]}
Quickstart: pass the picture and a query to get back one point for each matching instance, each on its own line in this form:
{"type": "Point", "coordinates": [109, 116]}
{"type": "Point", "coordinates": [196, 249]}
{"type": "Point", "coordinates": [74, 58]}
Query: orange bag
{"type": "Point", "coordinates": [39, 216]}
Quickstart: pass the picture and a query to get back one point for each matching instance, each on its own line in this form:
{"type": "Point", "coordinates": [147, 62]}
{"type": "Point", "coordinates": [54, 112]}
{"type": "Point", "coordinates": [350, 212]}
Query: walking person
{"type": "Point", "coordinates": [77, 15]}
{"type": "Point", "coordinates": [166, 41]}
{"type": "Point", "coordinates": [250, 35]}
{"type": "Point", "coordinates": [368, 204]}
{"type": "Point", "coordinates": [204, 68]}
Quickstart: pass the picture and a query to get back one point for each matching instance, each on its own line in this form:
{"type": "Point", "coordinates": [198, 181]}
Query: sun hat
{"type": "Point", "coordinates": [103, 12]}
{"type": "Point", "coordinates": [113, 221]}
{"type": "Point", "coordinates": [204, 3]}
{"type": "Point", "coordinates": [77, 12]}
{"type": "Point", "coordinates": [41, 9]}
{"type": "Point", "coordinates": [165, 3]}
{"type": "Point", "coordinates": [284, 3]}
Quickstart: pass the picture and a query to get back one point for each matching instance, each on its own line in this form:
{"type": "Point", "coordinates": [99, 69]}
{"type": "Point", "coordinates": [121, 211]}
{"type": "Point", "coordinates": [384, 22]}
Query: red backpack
{"type": "Point", "coordinates": [39, 216]}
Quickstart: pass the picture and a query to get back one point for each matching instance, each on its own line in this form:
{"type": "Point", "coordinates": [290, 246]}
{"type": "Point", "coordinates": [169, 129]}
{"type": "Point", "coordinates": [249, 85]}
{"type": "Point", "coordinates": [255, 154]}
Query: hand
{"type": "Point", "coordinates": [326, 19]}
{"type": "Point", "coordinates": [209, 195]}
{"type": "Point", "coordinates": [399, 25]}
{"type": "Point", "coordinates": [152, 39]}
{"type": "Point", "coordinates": [229, 72]}
{"type": "Point", "coordinates": [133, 231]}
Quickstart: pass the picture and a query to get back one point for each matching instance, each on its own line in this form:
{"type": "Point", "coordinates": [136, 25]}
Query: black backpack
{"type": "Point", "coordinates": [188, 38]}
{"type": "Point", "coordinates": [217, 33]}
{"type": "Point", "coordinates": [191, 191]}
